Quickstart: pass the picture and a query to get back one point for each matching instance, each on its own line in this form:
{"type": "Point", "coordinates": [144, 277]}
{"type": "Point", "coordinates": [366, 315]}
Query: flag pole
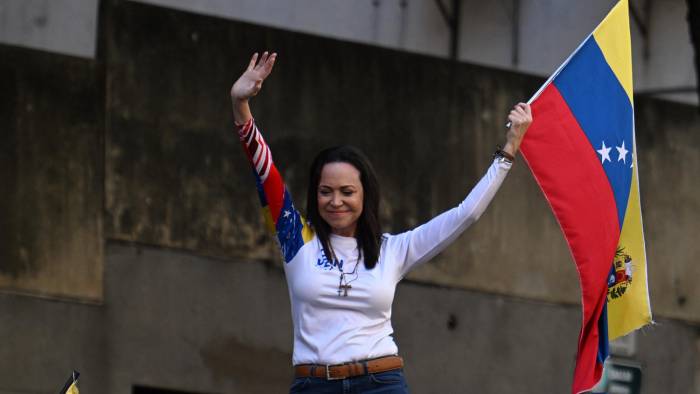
{"type": "Point", "coordinates": [554, 75]}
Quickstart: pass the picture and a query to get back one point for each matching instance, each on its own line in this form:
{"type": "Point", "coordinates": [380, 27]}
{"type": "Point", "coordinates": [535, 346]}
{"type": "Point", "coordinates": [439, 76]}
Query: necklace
{"type": "Point", "coordinates": [344, 283]}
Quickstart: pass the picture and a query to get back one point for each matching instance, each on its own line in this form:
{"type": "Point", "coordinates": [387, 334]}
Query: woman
{"type": "Point", "coordinates": [341, 271]}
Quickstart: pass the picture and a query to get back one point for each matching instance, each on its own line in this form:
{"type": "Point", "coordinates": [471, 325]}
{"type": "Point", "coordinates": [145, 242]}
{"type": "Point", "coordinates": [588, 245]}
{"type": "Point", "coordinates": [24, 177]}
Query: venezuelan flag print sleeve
{"type": "Point", "coordinates": [427, 240]}
{"type": "Point", "coordinates": [282, 218]}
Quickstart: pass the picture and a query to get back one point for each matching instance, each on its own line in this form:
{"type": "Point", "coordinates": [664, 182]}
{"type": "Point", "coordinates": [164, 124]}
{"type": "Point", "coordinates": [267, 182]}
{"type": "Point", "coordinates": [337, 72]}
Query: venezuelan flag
{"type": "Point", "coordinates": [581, 149]}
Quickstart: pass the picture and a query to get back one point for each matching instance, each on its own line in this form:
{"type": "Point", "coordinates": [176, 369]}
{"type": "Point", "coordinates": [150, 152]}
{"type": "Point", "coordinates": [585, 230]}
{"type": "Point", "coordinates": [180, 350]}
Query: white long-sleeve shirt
{"type": "Point", "coordinates": [329, 327]}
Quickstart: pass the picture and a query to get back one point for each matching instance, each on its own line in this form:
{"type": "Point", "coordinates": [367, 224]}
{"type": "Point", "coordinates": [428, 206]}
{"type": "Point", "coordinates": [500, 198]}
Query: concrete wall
{"type": "Point", "coordinates": [51, 111]}
{"type": "Point", "coordinates": [192, 284]}
{"type": "Point", "coordinates": [178, 321]}
{"type": "Point", "coordinates": [63, 26]}
{"type": "Point", "coordinates": [535, 39]}
{"type": "Point", "coordinates": [546, 31]}
{"type": "Point", "coordinates": [175, 177]}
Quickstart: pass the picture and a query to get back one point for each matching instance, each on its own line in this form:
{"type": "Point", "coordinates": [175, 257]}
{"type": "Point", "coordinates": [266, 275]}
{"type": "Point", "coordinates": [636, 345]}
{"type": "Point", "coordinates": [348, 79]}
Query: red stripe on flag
{"type": "Point", "coordinates": [570, 174]}
{"type": "Point", "coordinates": [274, 192]}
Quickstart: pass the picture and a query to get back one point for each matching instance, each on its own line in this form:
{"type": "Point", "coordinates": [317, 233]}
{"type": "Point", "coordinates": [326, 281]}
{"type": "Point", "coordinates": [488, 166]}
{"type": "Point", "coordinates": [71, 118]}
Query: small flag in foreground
{"type": "Point", "coordinates": [71, 386]}
{"type": "Point", "coordinates": [581, 149]}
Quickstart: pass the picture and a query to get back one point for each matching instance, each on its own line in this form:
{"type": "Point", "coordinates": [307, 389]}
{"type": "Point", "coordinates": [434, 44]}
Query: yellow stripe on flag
{"type": "Point", "coordinates": [631, 310]}
{"type": "Point", "coordinates": [306, 232]}
{"type": "Point", "coordinates": [613, 38]}
{"type": "Point", "coordinates": [628, 299]}
{"type": "Point", "coordinates": [269, 223]}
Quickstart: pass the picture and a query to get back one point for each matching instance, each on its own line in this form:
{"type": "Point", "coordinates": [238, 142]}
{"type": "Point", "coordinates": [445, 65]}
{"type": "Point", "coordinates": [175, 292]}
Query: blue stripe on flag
{"type": "Point", "coordinates": [603, 343]}
{"type": "Point", "coordinates": [259, 187]}
{"type": "Point", "coordinates": [604, 112]}
{"type": "Point", "coordinates": [289, 228]}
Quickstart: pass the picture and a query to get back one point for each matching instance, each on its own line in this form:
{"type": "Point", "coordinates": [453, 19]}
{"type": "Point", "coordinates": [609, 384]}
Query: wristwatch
{"type": "Point", "coordinates": [503, 156]}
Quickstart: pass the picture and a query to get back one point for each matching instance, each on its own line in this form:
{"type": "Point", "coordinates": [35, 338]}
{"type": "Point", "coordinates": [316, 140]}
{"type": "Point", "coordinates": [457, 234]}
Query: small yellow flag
{"type": "Point", "coordinates": [73, 389]}
{"type": "Point", "coordinates": [71, 386]}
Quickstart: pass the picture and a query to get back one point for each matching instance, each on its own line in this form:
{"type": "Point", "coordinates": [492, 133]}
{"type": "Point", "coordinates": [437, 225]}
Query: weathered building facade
{"type": "Point", "coordinates": [133, 248]}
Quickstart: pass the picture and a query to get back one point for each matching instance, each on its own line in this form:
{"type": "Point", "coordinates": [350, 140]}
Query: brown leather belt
{"type": "Point", "coordinates": [348, 370]}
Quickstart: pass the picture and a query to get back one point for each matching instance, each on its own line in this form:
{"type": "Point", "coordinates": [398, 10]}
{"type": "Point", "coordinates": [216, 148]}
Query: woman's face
{"type": "Point", "coordinates": [340, 197]}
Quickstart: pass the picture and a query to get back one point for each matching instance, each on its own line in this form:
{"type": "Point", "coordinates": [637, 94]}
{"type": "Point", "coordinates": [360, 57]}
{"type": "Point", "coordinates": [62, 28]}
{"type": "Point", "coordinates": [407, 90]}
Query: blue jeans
{"type": "Point", "coordinates": [389, 382]}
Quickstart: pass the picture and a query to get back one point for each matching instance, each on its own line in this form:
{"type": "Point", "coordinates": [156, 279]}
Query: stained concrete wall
{"type": "Point", "coordinates": [51, 111]}
{"type": "Point", "coordinates": [193, 287]}
{"type": "Point", "coordinates": [178, 321]}
{"type": "Point", "coordinates": [175, 177]}
{"type": "Point", "coordinates": [525, 36]}
{"type": "Point", "coordinates": [534, 39]}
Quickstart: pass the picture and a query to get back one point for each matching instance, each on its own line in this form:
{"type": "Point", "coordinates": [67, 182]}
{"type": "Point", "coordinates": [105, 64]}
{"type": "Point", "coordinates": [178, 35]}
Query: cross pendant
{"type": "Point", "coordinates": [345, 289]}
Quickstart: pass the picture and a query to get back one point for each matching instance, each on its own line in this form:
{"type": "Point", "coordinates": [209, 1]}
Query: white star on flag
{"type": "Point", "coordinates": [622, 152]}
{"type": "Point", "coordinates": [604, 153]}
{"type": "Point", "coordinates": [286, 214]}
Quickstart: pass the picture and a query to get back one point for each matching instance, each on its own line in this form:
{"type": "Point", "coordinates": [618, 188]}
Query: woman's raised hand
{"type": "Point", "coordinates": [520, 118]}
{"type": "Point", "coordinates": [250, 82]}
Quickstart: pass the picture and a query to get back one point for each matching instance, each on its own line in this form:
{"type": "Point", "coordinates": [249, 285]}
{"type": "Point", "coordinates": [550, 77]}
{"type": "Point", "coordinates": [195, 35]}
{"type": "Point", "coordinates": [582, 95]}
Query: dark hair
{"type": "Point", "coordinates": [368, 233]}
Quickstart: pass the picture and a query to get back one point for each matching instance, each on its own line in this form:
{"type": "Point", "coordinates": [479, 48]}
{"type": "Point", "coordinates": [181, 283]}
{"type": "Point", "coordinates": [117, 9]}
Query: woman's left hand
{"type": "Point", "coordinates": [520, 118]}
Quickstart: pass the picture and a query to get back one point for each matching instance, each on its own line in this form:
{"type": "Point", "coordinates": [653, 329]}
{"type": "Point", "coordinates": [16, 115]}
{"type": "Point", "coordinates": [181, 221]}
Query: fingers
{"type": "Point", "coordinates": [515, 116]}
{"type": "Point", "coordinates": [521, 113]}
{"type": "Point", "coordinates": [253, 60]}
{"type": "Point", "coordinates": [521, 109]}
{"type": "Point", "coordinates": [520, 118]}
{"type": "Point", "coordinates": [269, 63]}
{"type": "Point", "coordinates": [263, 59]}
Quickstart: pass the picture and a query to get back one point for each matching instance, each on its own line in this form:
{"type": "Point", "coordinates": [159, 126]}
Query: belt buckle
{"type": "Point", "coordinates": [328, 373]}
